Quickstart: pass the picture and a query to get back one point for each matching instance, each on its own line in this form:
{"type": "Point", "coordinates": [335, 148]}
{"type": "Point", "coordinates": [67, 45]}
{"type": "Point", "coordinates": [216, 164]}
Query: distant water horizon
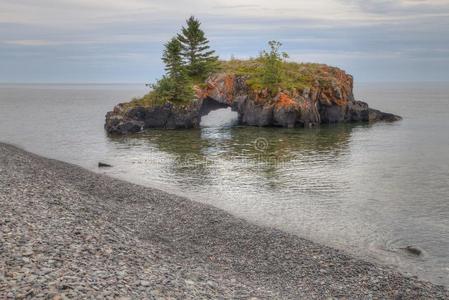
{"type": "Point", "coordinates": [369, 189]}
{"type": "Point", "coordinates": [135, 83]}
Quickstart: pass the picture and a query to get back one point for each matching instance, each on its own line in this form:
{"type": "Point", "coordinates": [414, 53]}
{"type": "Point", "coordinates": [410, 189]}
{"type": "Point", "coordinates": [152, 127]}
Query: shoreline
{"type": "Point", "coordinates": [69, 231]}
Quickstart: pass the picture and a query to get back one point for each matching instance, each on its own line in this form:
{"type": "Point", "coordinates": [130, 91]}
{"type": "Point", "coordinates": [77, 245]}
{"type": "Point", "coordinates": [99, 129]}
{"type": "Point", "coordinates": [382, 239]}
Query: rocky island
{"type": "Point", "coordinates": [268, 90]}
{"type": "Point", "coordinates": [319, 94]}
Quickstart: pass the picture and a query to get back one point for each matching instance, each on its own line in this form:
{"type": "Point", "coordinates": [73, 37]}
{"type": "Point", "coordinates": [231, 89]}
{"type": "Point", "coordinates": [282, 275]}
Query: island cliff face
{"type": "Point", "coordinates": [325, 101]}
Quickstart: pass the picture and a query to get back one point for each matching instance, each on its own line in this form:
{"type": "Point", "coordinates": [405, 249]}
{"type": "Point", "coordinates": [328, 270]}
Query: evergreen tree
{"type": "Point", "coordinates": [172, 58]}
{"type": "Point", "coordinates": [176, 84]}
{"type": "Point", "coordinates": [200, 60]}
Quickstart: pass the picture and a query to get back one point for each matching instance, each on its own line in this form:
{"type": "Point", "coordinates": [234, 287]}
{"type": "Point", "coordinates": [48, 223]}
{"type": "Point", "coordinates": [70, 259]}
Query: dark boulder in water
{"type": "Point", "coordinates": [413, 250]}
{"type": "Point", "coordinates": [104, 165]}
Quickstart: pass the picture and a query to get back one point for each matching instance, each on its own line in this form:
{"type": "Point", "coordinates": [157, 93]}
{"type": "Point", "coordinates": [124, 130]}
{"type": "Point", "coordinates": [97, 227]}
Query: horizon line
{"type": "Point", "coordinates": [143, 83]}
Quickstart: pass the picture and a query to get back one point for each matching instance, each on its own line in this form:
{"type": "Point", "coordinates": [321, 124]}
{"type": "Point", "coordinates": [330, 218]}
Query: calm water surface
{"type": "Point", "coordinates": [368, 189]}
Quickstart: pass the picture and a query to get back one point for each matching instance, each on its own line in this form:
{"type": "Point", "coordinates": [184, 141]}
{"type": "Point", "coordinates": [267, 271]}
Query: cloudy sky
{"type": "Point", "coordinates": [121, 40]}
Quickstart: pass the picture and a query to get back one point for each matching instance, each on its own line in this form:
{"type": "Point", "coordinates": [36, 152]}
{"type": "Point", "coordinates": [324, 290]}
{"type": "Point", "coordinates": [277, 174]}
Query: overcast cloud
{"type": "Point", "coordinates": [121, 40]}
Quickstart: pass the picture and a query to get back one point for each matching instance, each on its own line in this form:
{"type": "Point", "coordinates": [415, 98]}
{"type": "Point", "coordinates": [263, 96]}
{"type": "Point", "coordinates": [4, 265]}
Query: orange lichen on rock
{"type": "Point", "coordinates": [334, 86]}
{"type": "Point", "coordinates": [285, 101]}
{"type": "Point", "coordinates": [229, 87]}
{"type": "Point", "coordinates": [219, 87]}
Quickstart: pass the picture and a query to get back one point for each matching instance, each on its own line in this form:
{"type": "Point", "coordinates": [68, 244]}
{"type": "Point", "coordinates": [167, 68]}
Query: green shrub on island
{"type": "Point", "coordinates": [270, 73]}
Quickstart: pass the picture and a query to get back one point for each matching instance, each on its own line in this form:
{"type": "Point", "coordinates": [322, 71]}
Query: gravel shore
{"type": "Point", "coordinates": [66, 232]}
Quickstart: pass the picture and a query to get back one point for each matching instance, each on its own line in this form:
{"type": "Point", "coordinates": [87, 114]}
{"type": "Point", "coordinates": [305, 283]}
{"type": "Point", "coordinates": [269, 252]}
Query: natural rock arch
{"type": "Point", "coordinates": [209, 104]}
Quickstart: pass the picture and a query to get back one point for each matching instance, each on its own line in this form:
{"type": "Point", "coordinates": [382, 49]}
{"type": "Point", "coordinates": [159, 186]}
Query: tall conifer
{"type": "Point", "coordinates": [176, 82]}
{"type": "Point", "coordinates": [200, 60]}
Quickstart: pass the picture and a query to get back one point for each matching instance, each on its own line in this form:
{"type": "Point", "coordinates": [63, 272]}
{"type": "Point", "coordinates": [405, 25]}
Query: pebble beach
{"type": "Point", "coordinates": [68, 233]}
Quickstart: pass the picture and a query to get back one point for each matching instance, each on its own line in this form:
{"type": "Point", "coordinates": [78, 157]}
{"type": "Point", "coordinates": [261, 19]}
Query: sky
{"type": "Point", "coordinates": [100, 41]}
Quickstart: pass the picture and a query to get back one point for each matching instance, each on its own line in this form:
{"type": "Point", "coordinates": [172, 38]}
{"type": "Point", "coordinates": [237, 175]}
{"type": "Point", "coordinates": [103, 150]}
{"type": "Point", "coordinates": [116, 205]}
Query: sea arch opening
{"type": "Point", "coordinates": [217, 114]}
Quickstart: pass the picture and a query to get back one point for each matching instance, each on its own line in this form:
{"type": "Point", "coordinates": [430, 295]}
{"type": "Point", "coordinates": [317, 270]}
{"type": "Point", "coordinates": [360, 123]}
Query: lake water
{"type": "Point", "coordinates": [368, 189]}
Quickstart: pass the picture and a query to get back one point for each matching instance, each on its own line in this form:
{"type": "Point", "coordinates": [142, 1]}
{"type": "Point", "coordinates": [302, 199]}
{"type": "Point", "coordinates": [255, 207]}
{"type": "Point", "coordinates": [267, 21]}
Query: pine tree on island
{"type": "Point", "coordinates": [188, 60]}
{"type": "Point", "coordinates": [176, 72]}
{"type": "Point", "coordinates": [200, 60]}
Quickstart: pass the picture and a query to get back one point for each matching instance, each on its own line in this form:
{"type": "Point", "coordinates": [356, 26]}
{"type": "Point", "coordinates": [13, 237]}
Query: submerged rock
{"type": "Point", "coordinates": [329, 101]}
{"type": "Point", "coordinates": [413, 250]}
{"type": "Point", "coordinates": [104, 165]}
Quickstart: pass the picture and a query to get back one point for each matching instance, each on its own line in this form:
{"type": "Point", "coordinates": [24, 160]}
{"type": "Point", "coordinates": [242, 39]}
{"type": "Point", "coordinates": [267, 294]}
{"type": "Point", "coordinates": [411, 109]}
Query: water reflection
{"type": "Point", "coordinates": [264, 151]}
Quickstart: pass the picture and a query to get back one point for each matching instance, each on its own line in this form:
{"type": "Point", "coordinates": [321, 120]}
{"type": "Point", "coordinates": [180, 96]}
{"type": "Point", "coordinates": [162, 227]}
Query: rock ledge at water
{"type": "Point", "coordinates": [330, 101]}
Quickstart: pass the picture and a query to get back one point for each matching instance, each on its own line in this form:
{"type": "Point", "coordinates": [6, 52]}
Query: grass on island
{"type": "Point", "coordinates": [293, 75]}
{"type": "Point", "coordinates": [147, 100]}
